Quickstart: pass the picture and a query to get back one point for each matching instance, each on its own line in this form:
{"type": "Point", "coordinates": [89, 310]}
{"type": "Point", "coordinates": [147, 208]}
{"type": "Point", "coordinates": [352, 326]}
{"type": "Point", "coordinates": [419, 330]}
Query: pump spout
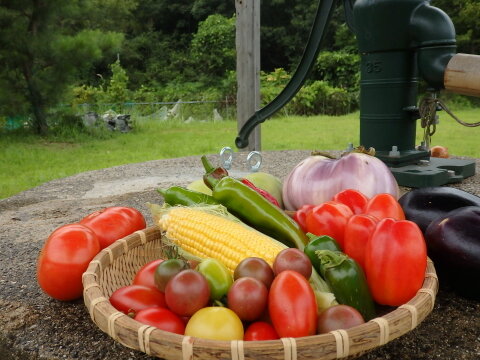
{"type": "Point", "coordinates": [322, 18]}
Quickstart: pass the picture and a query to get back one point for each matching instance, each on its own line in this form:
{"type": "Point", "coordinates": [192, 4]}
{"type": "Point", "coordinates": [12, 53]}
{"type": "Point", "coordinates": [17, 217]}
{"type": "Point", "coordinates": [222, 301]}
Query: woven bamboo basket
{"type": "Point", "coordinates": [116, 265]}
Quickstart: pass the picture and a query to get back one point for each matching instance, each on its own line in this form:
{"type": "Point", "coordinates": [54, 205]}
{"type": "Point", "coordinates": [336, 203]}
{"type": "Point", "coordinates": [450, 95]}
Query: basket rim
{"type": "Point", "coordinates": [155, 342]}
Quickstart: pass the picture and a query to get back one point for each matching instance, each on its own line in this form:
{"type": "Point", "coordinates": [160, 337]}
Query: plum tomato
{"type": "Point", "coordinates": [113, 223]}
{"type": "Point", "coordinates": [292, 259]}
{"type": "Point", "coordinates": [254, 267]}
{"type": "Point", "coordinates": [64, 258]}
{"type": "Point", "coordinates": [248, 297]}
{"type": "Point", "coordinates": [260, 330]}
{"type": "Point", "coordinates": [187, 292]}
{"type": "Point", "coordinates": [132, 298]}
{"type": "Point", "coordinates": [161, 318]}
{"type": "Point", "coordinates": [292, 305]}
{"type": "Point", "coordinates": [145, 276]}
{"type": "Point", "coordinates": [166, 270]}
{"type": "Point", "coordinates": [216, 323]}
{"type": "Point", "coordinates": [338, 317]}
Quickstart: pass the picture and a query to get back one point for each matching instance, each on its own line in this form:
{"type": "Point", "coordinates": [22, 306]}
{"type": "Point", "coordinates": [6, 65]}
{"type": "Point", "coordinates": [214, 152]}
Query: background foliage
{"type": "Point", "coordinates": [113, 51]}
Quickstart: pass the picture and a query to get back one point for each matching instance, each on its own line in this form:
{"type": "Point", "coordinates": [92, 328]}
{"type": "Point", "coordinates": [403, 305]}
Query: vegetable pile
{"type": "Point", "coordinates": [258, 259]}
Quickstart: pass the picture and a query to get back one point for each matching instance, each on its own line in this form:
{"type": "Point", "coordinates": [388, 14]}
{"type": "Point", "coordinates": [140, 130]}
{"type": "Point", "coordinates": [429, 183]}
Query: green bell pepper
{"type": "Point", "coordinates": [347, 281]}
{"type": "Point", "coordinates": [322, 242]}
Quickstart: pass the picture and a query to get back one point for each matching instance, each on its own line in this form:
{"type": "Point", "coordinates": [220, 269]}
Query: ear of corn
{"type": "Point", "coordinates": [208, 235]}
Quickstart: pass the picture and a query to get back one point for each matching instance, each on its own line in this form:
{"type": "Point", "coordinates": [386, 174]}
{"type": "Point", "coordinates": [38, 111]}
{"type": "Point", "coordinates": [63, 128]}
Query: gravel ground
{"type": "Point", "coordinates": [33, 326]}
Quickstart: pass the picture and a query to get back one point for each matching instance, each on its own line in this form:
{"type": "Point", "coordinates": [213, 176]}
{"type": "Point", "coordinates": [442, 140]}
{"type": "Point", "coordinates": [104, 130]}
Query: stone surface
{"type": "Point", "coordinates": [34, 326]}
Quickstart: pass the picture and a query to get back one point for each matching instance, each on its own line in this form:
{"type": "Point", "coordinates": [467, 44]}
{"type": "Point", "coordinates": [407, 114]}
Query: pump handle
{"type": "Point", "coordinates": [462, 75]}
{"type": "Point", "coordinates": [322, 18]}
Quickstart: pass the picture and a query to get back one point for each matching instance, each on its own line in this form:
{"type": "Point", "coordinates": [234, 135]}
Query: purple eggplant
{"type": "Point", "coordinates": [424, 205]}
{"type": "Point", "coordinates": [453, 243]}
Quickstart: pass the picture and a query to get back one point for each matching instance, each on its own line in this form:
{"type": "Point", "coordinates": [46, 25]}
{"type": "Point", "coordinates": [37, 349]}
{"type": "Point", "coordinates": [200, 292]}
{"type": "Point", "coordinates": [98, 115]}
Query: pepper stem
{"type": "Point", "coordinates": [329, 259]}
{"type": "Point", "coordinates": [207, 165]}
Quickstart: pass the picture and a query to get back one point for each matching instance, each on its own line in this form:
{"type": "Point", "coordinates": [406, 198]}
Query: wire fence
{"type": "Point", "coordinates": [165, 110]}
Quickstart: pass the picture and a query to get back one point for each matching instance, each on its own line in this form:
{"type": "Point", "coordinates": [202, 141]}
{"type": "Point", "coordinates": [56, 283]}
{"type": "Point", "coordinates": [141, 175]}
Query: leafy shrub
{"type": "Point", "coordinates": [321, 98]}
{"type": "Point", "coordinates": [340, 69]}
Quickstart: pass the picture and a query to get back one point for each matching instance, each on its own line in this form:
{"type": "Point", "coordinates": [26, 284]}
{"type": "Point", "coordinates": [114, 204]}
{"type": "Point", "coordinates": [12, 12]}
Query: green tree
{"type": "Point", "coordinates": [44, 46]}
{"type": "Point", "coordinates": [213, 45]}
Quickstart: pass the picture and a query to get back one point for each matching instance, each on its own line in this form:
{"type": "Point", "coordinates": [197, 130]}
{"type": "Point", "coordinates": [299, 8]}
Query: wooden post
{"type": "Point", "coordinates": [248, 65]}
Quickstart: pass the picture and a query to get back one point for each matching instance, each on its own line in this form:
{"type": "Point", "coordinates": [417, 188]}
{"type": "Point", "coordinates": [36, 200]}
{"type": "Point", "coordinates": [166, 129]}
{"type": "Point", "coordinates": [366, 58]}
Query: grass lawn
{"type": "Point", "coordinates": [27, 161]}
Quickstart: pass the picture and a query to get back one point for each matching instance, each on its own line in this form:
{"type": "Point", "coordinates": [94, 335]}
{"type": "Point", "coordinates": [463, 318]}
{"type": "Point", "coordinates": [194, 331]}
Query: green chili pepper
{"type": "Point", "coordinates": [178, 195]}
{"type": "Point", "coordinates": [218, 277]}
{"type": "Point", "coordinates": [322, 242]}
{"type": "Point", "coordinates": [347, 281]}
{"type": "Point", "coordinates": [253, 209]}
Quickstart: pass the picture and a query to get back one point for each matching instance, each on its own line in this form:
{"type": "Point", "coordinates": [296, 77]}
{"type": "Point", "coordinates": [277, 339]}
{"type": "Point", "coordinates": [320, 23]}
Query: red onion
{"type": "Point", "coordinates": [317, 179]}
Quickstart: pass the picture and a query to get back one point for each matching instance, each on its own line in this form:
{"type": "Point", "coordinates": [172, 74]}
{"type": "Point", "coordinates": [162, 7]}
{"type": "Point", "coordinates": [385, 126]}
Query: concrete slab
{"type": "Point", "coordinates": [34, 326]}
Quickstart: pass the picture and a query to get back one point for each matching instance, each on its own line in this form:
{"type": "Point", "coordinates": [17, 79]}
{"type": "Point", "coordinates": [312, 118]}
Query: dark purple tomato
{"type": "Point", "coordinates": [254, 267]}
{"type": "Point", "coordinates": [292, 259]}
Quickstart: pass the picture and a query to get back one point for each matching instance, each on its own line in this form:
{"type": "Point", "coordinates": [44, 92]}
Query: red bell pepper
{"type": "Point", "coordinates": [357, 232]}
{"type": "Point", "coordinates": [384, 205]}
{"type": "Point", "coordinates": [395, 261]}
{"type": "Point", "coordinates": [329, 218]}
{"type": "Point", "coordinates": [354, 199]}
{"type": "Point", "coordinates": [300, 216]}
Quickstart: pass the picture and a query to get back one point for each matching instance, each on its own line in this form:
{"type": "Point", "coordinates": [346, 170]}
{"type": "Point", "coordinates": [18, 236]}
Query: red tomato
{"type": "Point", "coordinates": [292, 305]}
{"type": "Point", "coordinates": [357, 232]}
{"type": "Point", "coordinates": [354, 199]}
{"type": "Point", "coordinates": [395, 261]}
{"type": "Point", "coordinates": [113, 223]}
{"type": "Point", "coordinates": [133, 298]}
{"type": "Point", "coordinates": [161, 318]}
{"type": "Point", "coordinates": [64, 258]}
{"type": "Point", "coordinates": [338, 317]}
{"type": "Point", "coordinates": [384, 205]}
{"type": "Point", "coordinates": [300, 216]}
{"type": "Point", "coordinates": [187, 292]}
{"type": "Point", "coordinates": [146, 274]}
{"type": "Point", "coordinates": [329, 219]}
{"type": "Point", "coordinates": [260, 330]}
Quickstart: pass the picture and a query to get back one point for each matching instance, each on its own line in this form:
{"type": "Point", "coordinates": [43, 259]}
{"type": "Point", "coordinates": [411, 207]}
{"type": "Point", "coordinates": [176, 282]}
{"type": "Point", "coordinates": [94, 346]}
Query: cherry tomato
{"type": "Point", "coordinates": [166, 270]}
{"type": "Point", "coordinates": [113, 223]}
{"type": "Point", "coordinates": [64, 258]}
{"type": "Point", "coordinates": [161, 318]}
{"type": "Point", "coordinates": [384, 206]}
{"type": "Point", "coordinates": [216, 323]}
{"type": "Point", "coordinates": [354, 199]}
{"type": "Point", "coordinates": [145, 276]}
{"type": "Point", "coordinates": [133, 298]}
{"type": "Point", "coordinates": [329, 219]}
{"type": "Point", "coordinates": [292, 259]}
{"type": "Point", "coordinates": [439, 151]}
{"type": "Point", "coordinates": [292, 305]}
{"type": "Point", "coordinates": [260, 330]}
{"type": "Point", "coordinates": [357, 232]}
{"type": "Point", "coordinates": [248, 297]}
{"type": "Point", "coordinates": [338, 317]}
{"type": "Point", "coordinates": [187, 292]}
{"type": "Point", "coordinates": [254, 267]}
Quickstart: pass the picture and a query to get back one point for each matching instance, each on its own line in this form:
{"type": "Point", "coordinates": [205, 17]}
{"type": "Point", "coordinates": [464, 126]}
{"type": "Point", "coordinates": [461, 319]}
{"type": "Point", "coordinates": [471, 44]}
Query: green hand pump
{"type": "Point", "coordinates": [401, 42]}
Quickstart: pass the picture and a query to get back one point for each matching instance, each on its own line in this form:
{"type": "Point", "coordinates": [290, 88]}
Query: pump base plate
{"type": "Point", "coordinates": [433, 172]}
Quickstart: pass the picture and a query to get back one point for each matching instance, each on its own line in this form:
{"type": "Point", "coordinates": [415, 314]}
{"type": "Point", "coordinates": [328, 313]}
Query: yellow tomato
{"type": "Point", "coordinates": [216, 323]}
